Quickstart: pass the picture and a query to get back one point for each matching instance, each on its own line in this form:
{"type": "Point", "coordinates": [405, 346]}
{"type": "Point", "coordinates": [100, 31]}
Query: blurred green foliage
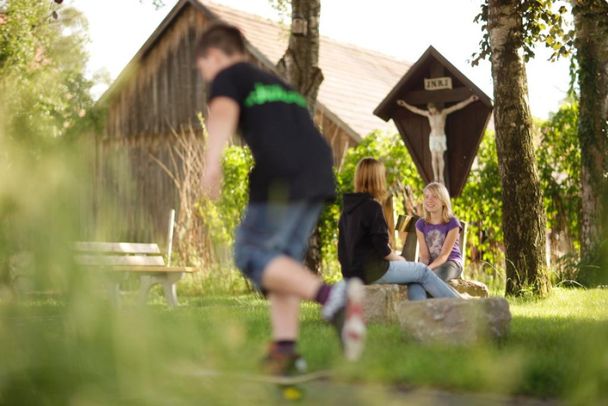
{"type": "Point", "coordinates": [42, 72]}
{"type": "Point", "coordinates": [44, 104]}
{"type": "Point", "coordinates": [559, 164]}
{"type": "Point", "coordinates": [222, 217]}
{"type": "Point", "coordinates": [480, 205]}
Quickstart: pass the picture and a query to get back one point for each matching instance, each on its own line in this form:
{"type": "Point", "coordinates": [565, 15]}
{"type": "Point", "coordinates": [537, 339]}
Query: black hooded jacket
{"type": "Point", "coordinates": [363, 238]}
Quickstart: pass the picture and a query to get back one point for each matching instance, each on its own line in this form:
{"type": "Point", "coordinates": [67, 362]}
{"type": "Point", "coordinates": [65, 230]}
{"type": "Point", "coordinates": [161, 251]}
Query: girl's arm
{"type": "Point", "coordinates": [411, 108]}
{"type": "Point", "coordinates": [393, 256]}
{"type": "Point", "coordinates": [424, 250]}
{"type": "Point", "coordinates": [448, 244]}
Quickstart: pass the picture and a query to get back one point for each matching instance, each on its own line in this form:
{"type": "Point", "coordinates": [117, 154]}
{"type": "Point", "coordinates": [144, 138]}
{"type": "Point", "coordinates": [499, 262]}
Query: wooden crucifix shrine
{"type": "Point", "coordinates": [441, 116]}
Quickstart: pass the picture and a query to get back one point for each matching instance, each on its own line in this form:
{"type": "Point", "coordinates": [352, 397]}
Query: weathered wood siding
{"type": "Point", "coordinates": [162, 92]}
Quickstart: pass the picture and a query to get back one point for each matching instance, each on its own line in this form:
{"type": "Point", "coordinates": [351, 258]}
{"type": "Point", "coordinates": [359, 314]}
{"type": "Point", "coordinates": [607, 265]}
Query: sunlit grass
{"type": "Point", "coordinates": [55, 352]}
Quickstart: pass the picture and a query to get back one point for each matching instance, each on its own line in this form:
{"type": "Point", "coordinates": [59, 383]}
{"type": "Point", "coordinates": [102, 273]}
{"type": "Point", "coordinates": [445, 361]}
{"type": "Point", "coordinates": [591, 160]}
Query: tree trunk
{"type": "Point", "coordinates": [300, 67]}
{"type": "Point", "coordinates": [523, 212]}
{"type": "Point", "coordinates": [300, 63]}
{"type": "Point", "coordinates": [591, 20]}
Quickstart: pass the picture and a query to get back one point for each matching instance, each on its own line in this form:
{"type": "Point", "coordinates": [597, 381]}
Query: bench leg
{"type": "Point", "coordinates": [114, 291]}
{"type": "Point", "coordinates": [169, 287]}
{"type": "Point", "coordinates": [168, 280]}
{"type": "Point", "coordinates": [146, 283]}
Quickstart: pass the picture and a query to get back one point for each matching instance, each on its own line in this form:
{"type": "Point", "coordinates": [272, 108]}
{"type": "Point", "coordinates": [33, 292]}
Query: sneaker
{"type": "Point", "coordinates": [344, 309]}
{"type": "Point", "coordinates": [278, 363]}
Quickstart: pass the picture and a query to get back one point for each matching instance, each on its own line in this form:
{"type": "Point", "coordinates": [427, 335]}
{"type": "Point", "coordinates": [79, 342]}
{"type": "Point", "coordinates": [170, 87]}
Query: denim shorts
{"type": "Point", "coordinates": [270, 230]}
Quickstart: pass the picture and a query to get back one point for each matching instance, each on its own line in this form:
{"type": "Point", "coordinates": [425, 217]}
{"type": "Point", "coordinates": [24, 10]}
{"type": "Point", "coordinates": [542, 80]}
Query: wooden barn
{"type": "Point", "coordinates": [160, 93]}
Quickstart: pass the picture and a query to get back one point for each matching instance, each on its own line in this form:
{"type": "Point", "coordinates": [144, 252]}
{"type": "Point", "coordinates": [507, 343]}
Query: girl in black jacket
{"type": "Point", "coordinates": [363, 248]}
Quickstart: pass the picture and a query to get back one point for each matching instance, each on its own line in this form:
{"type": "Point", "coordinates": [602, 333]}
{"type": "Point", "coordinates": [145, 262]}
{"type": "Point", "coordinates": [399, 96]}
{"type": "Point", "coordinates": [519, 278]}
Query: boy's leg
{"type": "Point", "coordinates": [268, 242]}
{"type": "Point", "coordinates": [342, 303]}
{"type": "Point", "coordinates": [284, 315]}
{"type": "Point", "coordinates": [282, 358]}
{"type": "Point", "coordinates": [286, 276]}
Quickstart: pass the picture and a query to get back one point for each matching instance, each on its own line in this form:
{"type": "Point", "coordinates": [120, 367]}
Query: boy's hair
{"type": "Point", "coordinates": [225, 37]}
{"type": "Point", "coordinates": [370, 177]}
{"type": "Point", "coordinates": [441, 192]}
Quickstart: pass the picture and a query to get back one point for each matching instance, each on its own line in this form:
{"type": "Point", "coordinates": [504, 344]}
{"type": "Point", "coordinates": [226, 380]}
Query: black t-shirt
{"type": "Point", "coordinates": [362, 238]}
{"type": "Point", "coordinates": [292, 160]}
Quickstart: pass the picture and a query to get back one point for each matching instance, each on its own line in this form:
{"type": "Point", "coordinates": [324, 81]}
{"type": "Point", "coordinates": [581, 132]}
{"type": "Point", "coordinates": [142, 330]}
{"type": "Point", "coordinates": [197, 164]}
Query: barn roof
{"type": "Point", "coordinates": [355, 79]}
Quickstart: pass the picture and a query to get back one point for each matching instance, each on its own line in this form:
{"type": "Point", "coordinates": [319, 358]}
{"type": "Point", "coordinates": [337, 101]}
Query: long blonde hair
{"type": "Point", "coordinates": [370, 177]}
{"type": "Point", "coordinates": [442, 194]}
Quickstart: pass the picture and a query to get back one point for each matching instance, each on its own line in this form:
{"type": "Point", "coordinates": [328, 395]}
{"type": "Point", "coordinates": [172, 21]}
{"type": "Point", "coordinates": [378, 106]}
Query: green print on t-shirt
{"type": "Point", "coordinates": [263, 94]}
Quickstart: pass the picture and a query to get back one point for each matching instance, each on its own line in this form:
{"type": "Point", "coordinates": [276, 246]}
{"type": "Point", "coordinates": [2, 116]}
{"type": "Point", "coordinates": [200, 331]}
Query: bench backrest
{"type": "Point", "coordinates": [118, 253]}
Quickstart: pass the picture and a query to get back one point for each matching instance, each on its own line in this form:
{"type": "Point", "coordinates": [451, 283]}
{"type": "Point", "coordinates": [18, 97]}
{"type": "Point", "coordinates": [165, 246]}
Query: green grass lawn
{"type": "Point", "coordinates": [84, 352]}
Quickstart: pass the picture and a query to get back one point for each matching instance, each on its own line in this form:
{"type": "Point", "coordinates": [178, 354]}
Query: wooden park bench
{"type": "Point", "coordinates": [143, 259]}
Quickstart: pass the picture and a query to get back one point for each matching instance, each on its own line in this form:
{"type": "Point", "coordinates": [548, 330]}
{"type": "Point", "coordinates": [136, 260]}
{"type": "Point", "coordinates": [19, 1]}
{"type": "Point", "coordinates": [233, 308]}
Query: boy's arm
{"type": "Point", "coordinates": [221, 125]}
{"type": "Point", "coordinates": [460, 105]}
{"type": "Point", "coordinates": [411, 108]}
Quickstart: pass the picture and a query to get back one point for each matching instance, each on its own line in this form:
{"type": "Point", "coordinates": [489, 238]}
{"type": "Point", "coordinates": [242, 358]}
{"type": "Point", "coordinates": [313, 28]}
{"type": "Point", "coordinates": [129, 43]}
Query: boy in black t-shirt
{"type": "Point", "coordinates": [291, 179]}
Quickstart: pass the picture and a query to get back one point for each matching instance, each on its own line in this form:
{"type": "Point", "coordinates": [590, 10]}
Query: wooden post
{"type": "Point", "coordinates": [437, 71]}
{"type": "Point", "coordinates": [463, 242]}
{"type": "Point", "coordinates": [170, 236]}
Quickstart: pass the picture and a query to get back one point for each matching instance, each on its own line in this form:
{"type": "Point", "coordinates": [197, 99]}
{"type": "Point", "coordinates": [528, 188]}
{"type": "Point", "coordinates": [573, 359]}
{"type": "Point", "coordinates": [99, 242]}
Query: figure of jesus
{"type": "Point", "coordinates": [437, 139]}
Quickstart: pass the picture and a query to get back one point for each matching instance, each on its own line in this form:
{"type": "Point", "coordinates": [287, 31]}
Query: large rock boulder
{"type": "Point", "coordinates": [473, 288]}
{"type": "Point", "coordinates": [380, 302]}
{"type": "Point", "coordinates": [454, 321]}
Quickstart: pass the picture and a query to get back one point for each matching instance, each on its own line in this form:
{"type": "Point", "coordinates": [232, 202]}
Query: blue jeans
{"type": "Point", "coordinates": [449, 270]}
{"type": "Point", "coordinates": [419, 279]}
{"type": "Point", "coordinates": [270, 230]}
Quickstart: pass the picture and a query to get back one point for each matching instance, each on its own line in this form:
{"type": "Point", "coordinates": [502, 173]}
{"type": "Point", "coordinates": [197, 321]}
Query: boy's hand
{"type": "Point", "coordinates": [401, 103]}
{"type": "Point", "coordinates": [211, 182]}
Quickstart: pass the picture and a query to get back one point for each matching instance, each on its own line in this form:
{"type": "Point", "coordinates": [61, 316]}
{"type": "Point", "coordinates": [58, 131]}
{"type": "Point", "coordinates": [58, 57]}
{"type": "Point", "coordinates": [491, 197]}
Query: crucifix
{"type": "Point", "coordinates": [433, 79]}
{"type": "Point", "coordinates": [438, 90]}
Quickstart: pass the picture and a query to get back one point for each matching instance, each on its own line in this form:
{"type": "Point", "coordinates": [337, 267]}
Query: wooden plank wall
{"type": "Point", "coordinates": [134, 194]}
{"type": "Point", "coordinates": [163, 93]}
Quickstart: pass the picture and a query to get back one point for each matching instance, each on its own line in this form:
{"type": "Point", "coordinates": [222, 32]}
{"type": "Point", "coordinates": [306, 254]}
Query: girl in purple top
{"type": "Point", "coordinates": [439, 234]}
